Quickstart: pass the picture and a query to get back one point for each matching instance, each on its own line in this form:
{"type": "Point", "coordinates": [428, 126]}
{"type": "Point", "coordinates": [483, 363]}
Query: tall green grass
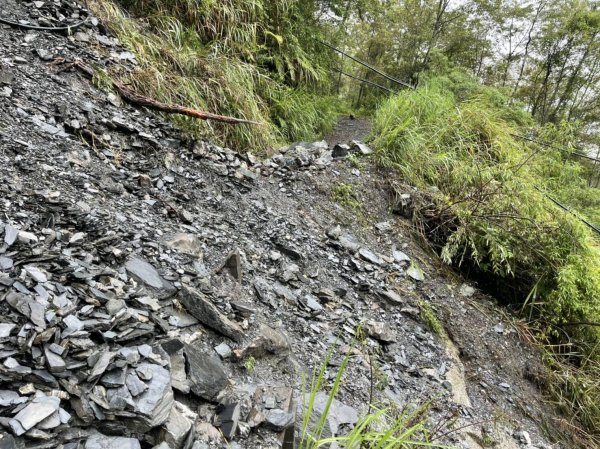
{"type": "Point", "coordinates": [228, 58]}
{"type": "Point", "coordinates": [379, 428]}
{"type": "Point", "coordinates": [486, 203]}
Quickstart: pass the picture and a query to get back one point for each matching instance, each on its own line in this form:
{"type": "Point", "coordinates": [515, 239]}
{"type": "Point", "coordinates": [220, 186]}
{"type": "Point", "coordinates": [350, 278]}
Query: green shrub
{"type": "Point", "coordinates": [228, 58]}
{"type": "Point", "coordinates": [487, 206]}
{"type": "Point", "coordinates": [494, 187]}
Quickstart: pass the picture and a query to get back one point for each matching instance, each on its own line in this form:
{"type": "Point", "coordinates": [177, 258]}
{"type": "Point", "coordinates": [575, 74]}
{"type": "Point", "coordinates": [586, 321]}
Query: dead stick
{"type": "Point", "coordinates": [134, 98]}
{"type": "Point", "coordinates": [140, 100]}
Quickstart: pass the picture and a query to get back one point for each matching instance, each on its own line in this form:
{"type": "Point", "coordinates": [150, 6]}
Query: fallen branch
{"type": "Point", "coordinates": [131, 97]}
{"type": "Point", "coordinates": [25, 26]}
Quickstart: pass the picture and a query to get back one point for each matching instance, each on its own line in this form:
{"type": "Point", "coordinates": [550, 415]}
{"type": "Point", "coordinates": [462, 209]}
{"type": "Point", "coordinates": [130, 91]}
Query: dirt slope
{"type": "Point", "coordinates": [147, 280]}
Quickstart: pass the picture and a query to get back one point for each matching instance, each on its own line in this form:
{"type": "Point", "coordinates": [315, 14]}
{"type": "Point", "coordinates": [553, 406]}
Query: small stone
{"type": "Point", "coordinates": [313, 303]}
{"type": "Point", "coordinates": [415, 273]}
{"type": "Point", "coordinates": [267, 341]}
{"type": "Point", "coordinates": [338, 413]}
{"type": "Point", "coordinates": [55, 363]}
{"type": "Point", "coordinates": [523, 437]}
{"type": "Point", "coordinates": [199, 306]}
{"type": "Point", "coordinates": [499, 328]}
{"type": "Point", "coordinates": [466, 290]}
{"type": "Point", "coordinates": [278, 419]}
{"type": "Point", "coordinates": [145, 350]}
{"type": "Point", "coordinates": [334, 233]}
{"type": "Point", "coordinates": [100, 366]}
{"type": "Point", "coordinates": [185, 244]}
{"type": "Point", "coordinates": [135, 385]}
{"type": "Point", "coordinates": [6, 329]}
{"type": "Point", "coordinates": [340, 150]}
{"type": "Point", "coordinates": [399, 256]}
{"type": "Point", "coordinates": [37, 410]}
{"type": "Point", "coordinates": [370, 256]}
{"type": "Point", "coordinates": [73, 323]}
{"type": "Point", "coordinates": [233, 264]}
{"type": "Point", "coordinates": [10, 234]}
{"type": "Point", "coordinates": [380, 331]}
{"type": "Point", "coordinates": [348, 242]}
{"type": "Point", "coordinates": [27, 237]}
{"type": "Point", "coordinates": [149, 276]}
{"type": "Point", "coordinates": [229, 418]}
{"type": "Point", "coordinates": [361, 148]}
{"type": "Point", "coordinates": [36, 274]}
{"type": "Point", "coordinates": [114, 378]}
{"type": "Point", "coordinates": [391, 296]}
{"type": "Point", "coordinates": [8, 398]}
{"type": "Point", "coordinates": [178, 426]}
{"type": "Point", "coordinates": [224, 350]}
{"type": "Point", "coordinates": [77, 238]}
{"type": "Point", "coordinates": [6, 263]}
{"type": "Point", "coordinates": [155, 404]}
{"type": "Point", "coordinates": [99, 441]}
{"type": "Point", "coordinates": [57, 349]}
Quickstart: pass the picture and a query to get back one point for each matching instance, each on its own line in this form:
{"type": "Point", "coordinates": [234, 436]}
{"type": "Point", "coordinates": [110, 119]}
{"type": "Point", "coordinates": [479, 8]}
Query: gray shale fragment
{"type": "Point", "coordinates": [200, 307]}
{"type": "Point", "coordinates": [135, 385]}
{"type": "Point", "coordinates": [8, 398]}
{"type": "Point", "coordinates": [149, 276]}
{"type": "Point", "coordinates": [35, 412]}
{"type": "Point", "coordinates": [206, 373]}
{"type": "Point", "coordinates": [99, 441]}
{"type": "Point", "coordinates": [155, 403]}
{"type": "Point", "coordinates": [101, 364]}
{"type": "Point", "coordinates": [178, 427]}
{"type": "Point", "coordinates": [278, 419]}
{"type": "Point", "coordinates": [55, 363]}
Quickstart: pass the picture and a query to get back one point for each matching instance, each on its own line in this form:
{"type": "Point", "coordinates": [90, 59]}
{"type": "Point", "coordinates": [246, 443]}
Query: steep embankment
{"type": "Point", "coordinates": [145, 279]}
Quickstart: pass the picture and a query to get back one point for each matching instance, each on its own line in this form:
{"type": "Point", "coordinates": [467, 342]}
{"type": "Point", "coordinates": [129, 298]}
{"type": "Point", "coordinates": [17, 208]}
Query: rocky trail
{"type": "Point", "coordinates": [157, 292]}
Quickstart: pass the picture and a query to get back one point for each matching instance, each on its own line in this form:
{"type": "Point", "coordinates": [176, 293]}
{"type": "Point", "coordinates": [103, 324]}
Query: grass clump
{"type": "Point", "coordinates": [234, 57]}
{"type": "Point", "coordinates": [344, 194]}
{"type": "Point", "coordinates": [384, 428]}
{"type": "Point", "coordinates": [431, 319]}
{"type": "Point", "coordinates": [487, 206]}
{"type": "Point", "coordinates": [250, 364]}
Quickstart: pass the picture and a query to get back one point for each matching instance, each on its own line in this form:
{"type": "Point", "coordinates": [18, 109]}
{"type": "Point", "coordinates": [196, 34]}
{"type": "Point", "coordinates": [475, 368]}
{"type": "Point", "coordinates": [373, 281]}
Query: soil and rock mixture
{"type": "Point", "coordinates": [160, 292]}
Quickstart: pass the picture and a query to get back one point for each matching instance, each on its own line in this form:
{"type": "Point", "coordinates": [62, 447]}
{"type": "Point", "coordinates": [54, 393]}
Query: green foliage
{"type": "Point", "coordinates": [490, 195]}
{"type": "Point", "coordinates": [229, 58]}
{"type": "Point", "coordinates": [344, 194]}
{"type": "Point", "coordinates": [434, 323]}
{"type": "Point", "coordinates": [387, 427]}
{"type": "Point", "coordinates": [301, 115]}
{"type": "Point", "coordinates": [250, 364]}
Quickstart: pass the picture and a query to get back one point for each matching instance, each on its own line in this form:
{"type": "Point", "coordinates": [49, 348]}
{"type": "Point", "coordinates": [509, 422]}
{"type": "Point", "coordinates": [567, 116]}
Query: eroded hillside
{"type": "Point", "coordinates": [163, 292]}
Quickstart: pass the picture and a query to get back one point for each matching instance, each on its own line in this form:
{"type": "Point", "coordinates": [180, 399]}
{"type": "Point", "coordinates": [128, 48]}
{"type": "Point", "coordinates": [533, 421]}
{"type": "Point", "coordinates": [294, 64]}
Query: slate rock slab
{"type": "Point", "coordinates": [200, 307]}
{"type": "Point", "coordinates": [206, 373]}
{"type": "Point", "coordinates": [155, 403]}
{"type": "Point", "coordinates": [34, 413]}
{"type": "Point", "coordinates": [339, 413]}
{"type": "Point", "coordinates": [9, 442]}
{"type": "Point", "coordinates": [143, 271]}
{"type": "Point", "coordinates": [99, 441]}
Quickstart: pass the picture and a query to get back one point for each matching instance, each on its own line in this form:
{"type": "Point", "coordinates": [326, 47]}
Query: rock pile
{"type": "Point", "coordinates": [162, 293]}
